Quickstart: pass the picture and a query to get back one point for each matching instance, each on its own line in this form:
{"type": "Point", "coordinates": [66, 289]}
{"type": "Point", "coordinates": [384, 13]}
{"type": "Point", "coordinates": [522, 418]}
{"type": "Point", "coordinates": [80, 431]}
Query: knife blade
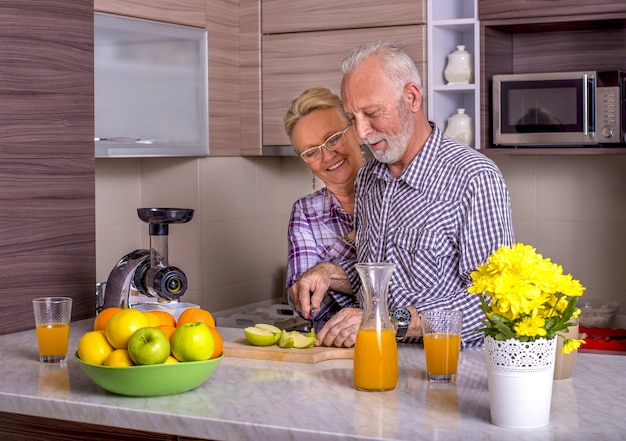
{"type": "Point", "coordinates": [312, 316]}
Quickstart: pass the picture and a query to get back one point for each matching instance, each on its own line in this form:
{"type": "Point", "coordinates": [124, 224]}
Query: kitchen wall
{"type": "Point", "coordinates": [234, 249]}
{"type": "Point", "coordinates": [572, 208]}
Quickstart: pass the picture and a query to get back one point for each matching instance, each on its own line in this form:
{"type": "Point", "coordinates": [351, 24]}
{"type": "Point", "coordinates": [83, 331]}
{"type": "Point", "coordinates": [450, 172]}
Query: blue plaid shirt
{"type": "Point", "coordinates": [440, 219]}
{"type": "Point", "coordinates": [316, 227]}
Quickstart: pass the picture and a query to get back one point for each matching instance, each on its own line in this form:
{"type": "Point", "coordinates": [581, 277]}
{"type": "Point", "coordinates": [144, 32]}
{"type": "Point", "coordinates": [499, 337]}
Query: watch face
{"type": "Point", "coordinates": [402, 316]}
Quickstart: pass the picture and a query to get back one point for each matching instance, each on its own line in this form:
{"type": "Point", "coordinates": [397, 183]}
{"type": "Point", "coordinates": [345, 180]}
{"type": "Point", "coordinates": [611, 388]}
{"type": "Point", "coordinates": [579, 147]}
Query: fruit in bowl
{"type": "Point", "coordinates": [133, 357]}
{"type": "Point", "coordinates": [152, 379]}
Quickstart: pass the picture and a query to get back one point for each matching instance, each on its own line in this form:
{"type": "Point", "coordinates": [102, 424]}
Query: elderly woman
{"type": "Point", "coordinates": [321, 228]}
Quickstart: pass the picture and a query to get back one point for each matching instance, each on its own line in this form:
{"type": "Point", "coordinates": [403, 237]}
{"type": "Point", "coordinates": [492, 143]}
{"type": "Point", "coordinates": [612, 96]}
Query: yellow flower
{"type": "Point", "coordinates": [525, 295]}
{"type": "Point", "coordinates": [531, 326]}
{"type": "Point", "coordinates": [570, 345]}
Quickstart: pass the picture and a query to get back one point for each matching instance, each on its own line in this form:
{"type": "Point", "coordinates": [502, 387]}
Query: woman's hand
{"type": "Point", "coordinates": [341, 329]}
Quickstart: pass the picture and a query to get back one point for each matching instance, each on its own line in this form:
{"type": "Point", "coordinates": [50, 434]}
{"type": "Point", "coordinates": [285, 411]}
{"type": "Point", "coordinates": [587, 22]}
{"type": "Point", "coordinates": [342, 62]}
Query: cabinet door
{"type": "Point", "coordinates": [47, 168]}
{"type": "Point", "coordinates": [295, 16]}
{"type": "Point", "coordinates": [185, 12]}
{"type": "Point", "coordinates": [498, 9]}
{"type": "Point", "coordinates": [295, 62]}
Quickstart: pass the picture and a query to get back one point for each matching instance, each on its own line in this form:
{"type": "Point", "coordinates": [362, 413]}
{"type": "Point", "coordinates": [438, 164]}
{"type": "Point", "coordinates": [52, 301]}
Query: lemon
{"type": "Point", "coordinates": [171, 359]}
{"type": "Point", "coordinates": [122, 325]}
{"type": "Point", "coordinates": [119, 357]}
{"type": "Point", "coordinates": [93, 347]}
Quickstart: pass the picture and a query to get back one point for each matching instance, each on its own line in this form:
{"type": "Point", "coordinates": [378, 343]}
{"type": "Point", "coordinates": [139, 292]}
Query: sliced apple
{"type": "Point", "coordinates": [270, 328]}
{"type": "Point", "coordinates": [261, 337]}
{"type": "Point", "coordinates": [302, 341]}
{"type": "Point", "coordinates": [286, 339]}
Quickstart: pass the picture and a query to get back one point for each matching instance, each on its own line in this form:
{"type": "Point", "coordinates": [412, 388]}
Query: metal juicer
{"type": "Point", "coordinates": [147, 273]}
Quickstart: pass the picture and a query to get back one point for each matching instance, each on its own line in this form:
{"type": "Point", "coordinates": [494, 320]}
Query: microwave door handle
{"type": "Point", "coordinates": [585, 104]}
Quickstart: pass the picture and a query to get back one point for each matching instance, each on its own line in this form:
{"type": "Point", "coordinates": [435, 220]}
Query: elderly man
{"type": "Point", "coordinates": [434, 207]}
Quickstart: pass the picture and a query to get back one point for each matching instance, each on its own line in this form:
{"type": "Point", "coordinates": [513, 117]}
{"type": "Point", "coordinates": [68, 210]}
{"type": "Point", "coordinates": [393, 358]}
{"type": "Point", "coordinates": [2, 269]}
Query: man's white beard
{"type": "Point", "coordinates": [397, 145]}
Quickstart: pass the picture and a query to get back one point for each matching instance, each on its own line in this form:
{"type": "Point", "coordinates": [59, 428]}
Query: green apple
{"type": "Point", "coordinates": [148, 346]}
{"type": "Point", "coordinates": [262, 334]}
{"type": "Point", "coordinates": [286, 339]}
{"type": "Point", "coordinates": [192, 341]}
{"type": "Point", "coordinates": [295, 339]}
{"type": "Point", "coordinates": [302, 341]}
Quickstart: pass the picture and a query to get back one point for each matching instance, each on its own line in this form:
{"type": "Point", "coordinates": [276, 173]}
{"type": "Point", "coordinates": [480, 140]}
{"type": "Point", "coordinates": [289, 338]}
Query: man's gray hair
{"type": "Point", "coordinates": [396, 63]}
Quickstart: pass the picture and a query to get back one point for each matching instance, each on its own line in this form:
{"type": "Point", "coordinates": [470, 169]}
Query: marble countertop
{"type": "Point", "coordinates": [268, 400]}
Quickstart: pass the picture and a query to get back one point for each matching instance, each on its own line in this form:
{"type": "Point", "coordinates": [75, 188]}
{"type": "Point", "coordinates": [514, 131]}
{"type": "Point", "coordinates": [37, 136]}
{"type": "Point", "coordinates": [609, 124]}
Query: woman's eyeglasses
{"type": "Point", "coordinates": [333, 142]}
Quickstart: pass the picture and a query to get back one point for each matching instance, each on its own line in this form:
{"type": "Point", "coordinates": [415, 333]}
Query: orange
{"type": "Point", "coordinates": [196, 315]}
{"type": "Point", "coordinates": [168, 330]}
{"type": "Point", "coordinates": [100, 323]}
{"type": "Point", "coordinates": [165, 317]}
{"type": "Point", "coordinates": [219, 344]}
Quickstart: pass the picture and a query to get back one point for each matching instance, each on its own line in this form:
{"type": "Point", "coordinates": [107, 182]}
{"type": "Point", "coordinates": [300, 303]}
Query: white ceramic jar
{"type": "Point", "coordinates": [460, 67]}
{"type": "Point", "coordinates": [461, 128]}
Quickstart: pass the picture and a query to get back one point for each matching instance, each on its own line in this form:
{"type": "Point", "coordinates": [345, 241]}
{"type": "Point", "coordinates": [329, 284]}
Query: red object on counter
{"type": "Point", "coordinates": [604, 339]}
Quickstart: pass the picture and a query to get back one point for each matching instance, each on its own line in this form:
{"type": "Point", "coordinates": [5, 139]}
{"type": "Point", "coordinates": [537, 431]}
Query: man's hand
{"type": "Point", "coordinates": [310, 289]}
{"type": "Point", "coordinates": [341, 329]}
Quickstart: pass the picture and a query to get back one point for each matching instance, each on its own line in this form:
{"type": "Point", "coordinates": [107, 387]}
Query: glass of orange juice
{"type": "Point", "coordinates": [52, 321]}
{"type": "Point", "coordinates": [442, 343]}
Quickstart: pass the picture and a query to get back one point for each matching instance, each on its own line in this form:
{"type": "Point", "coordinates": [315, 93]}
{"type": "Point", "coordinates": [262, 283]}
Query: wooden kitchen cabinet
{"type": "Point", "coordinates": [220, 18]}
{"type": "Point", "coordinates": [295, 62]}
{"type": "Point", "coordinates": [579, 39]}
{"type": "Point", "coordinates": [47, 166]}
{"type": "Point", "coordinates": [497, 9]}
{"type": "Point", "coordinates": [280, 16]}
{"type": "Point", "coordinates": [287, 47]}
{"type": "Point", "coordinates": [185, 12]}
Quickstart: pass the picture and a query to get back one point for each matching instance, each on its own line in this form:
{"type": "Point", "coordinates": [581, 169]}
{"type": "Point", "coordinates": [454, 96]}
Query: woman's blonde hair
{"type": "Point", "coordinates": [311, 99]}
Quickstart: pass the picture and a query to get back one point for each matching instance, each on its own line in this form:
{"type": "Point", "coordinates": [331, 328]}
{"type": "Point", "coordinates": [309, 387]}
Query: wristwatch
{"type": "Point", "coordinates": [402, 318]}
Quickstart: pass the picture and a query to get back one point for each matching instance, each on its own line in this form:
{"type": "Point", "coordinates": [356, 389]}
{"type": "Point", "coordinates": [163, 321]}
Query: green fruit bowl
{"type": "Point", "coordinates": [150, 380]}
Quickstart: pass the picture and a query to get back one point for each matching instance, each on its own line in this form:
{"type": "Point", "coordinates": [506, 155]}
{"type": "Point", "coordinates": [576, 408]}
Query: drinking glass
{"type": "Point", "coordinates": [52, 321]}
{"type": "Point", "coordinates": [442, 344]}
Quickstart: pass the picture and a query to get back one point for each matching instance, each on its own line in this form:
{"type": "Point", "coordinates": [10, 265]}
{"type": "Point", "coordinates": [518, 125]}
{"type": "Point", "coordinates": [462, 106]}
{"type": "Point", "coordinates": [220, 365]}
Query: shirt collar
{"type": "Point", "coordinates": [330, 205]}
{"type": "Point", "coordinates": [419, 168]}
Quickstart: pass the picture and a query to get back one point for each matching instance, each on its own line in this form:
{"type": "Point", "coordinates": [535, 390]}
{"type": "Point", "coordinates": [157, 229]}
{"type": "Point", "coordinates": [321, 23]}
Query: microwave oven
{"type": "Point", "coordinates": [560, 109]}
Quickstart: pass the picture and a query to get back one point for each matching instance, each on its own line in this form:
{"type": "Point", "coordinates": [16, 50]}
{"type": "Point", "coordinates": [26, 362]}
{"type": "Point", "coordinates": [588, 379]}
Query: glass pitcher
{"type": "Point", "coordinates": [376, 349]}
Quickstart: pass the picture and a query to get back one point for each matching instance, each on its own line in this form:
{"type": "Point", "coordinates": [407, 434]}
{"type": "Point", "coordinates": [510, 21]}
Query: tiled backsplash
{"type": "Point", "coordinates": [572, 208]}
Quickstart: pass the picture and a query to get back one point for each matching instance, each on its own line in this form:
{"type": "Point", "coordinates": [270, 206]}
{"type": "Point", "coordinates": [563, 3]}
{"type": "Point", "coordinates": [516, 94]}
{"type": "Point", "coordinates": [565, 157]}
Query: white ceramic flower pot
{"type": "Point", "coordinates": [520, 382]}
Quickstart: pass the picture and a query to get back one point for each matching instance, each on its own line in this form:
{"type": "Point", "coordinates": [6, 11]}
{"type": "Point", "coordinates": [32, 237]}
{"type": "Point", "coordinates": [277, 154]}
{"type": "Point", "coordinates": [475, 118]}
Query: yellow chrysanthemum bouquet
{"type": "Point", "coordinates": [525, 296]}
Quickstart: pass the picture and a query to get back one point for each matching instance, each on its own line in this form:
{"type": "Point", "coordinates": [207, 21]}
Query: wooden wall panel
{"type": "Point", "coordinates": [47, 166]}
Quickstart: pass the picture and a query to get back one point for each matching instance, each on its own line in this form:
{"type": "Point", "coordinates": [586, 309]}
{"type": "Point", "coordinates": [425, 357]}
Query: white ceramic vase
{"type": "Point", "coordinates": [461, 128]}
{"type": "Point", "coordinates": [520, 381]}
{"type": "Point", "coordinates": [460, 67]}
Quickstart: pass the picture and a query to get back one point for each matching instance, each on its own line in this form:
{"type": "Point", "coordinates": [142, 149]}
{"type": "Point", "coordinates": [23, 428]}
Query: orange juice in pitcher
{"type": "Point", "coordinates": [375, 360]}
{"type": "Point", "coordinates": [376, 349]}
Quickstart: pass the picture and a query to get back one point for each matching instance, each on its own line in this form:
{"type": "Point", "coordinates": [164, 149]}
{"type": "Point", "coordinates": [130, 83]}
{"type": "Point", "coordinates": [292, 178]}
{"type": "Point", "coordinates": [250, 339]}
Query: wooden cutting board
{"type": "Point", "coordinates": [242, 348]}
